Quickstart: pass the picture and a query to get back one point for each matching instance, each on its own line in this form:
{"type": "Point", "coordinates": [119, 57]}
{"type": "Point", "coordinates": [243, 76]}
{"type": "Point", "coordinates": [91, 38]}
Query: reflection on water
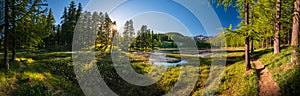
{"type": "Point", "coordinates": [159, 58]}
{"type": "Point", "coordinates": [167, 64]}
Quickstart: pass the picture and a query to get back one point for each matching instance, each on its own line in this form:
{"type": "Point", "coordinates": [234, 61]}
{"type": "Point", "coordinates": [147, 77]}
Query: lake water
{"type": "Point", "coordinates": [159, 58]}
{"type": "Point", "coordinates": [166, 64]}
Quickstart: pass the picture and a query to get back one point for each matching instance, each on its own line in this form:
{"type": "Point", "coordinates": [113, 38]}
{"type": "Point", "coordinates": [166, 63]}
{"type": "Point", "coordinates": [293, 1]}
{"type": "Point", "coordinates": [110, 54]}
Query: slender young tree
{"type": "Point", "coordinates": [6, 64]}
{"type": "Point", "coordinates": [127, 35]}
{"type": "Point", "coordinates": [295, 33]}
{"type": "Point", "coordinates": [246, 21]}
{"type": "Point", "coordinates": [245, 5]}
{"type": "Point", "coordinates": [277, 27]}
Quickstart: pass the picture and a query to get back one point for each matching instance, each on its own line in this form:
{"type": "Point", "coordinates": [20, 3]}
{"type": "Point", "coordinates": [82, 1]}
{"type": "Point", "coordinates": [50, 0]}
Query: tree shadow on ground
{"type": "Point", "coordinates": [257, 54]}
{"type": "Point", "coordinates": [289, 82]}
{"type": "Point", "coordinates": [233, 59]}
{"type": "Point", "coordinates": [121, 87]}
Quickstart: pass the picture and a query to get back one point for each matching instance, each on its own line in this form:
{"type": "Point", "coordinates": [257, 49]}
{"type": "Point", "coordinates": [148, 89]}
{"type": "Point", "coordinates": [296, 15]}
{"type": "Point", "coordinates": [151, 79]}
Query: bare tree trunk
{"type": "Point", "coordinates": [263, 43]}
{"type": "Point", "coordinates": [252, 39]}
{"type": "Point", "coordinates": [295, 33]}
{"type": "Point", "coordinates": [267, 42]}
{"type": "Point", "coordinates": [289, 38]}
{"type": "Point", "coordinates": [246, 21]}
{"type": "Point", "coordinates": [13, 31]}
{"type": "Point", "coordinates": [270, 41]}
{"type": "Point", "coordinates": [13, 55]}
{"type": "Point", "coordinates": [152, 41]}
{"type": "Point", "coordinates": [277, 28]}
{"type": "Point", "coordinates": [252, 45]}
{"type": "Point", "coordinates": [6, 60]}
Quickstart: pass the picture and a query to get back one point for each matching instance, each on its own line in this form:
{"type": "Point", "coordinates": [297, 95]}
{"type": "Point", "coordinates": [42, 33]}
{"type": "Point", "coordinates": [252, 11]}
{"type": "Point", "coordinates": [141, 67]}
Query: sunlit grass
{"type": "Point", "coordinates": [33, 75]}
{"type": "Point", "coordinates": [41, 74]}
{"type": "Point", "coordinates": [27, 60]}
{"type": "Point", "coordinates": [272, 60]}
{"type": "Point", "coordinates": [237, 82]}
{"type": "Point", "coordinates": [284, 73]}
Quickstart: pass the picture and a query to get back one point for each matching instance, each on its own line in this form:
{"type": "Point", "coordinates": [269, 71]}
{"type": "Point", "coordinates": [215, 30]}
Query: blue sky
{"type": "Point", "coordinates": [188, 17]}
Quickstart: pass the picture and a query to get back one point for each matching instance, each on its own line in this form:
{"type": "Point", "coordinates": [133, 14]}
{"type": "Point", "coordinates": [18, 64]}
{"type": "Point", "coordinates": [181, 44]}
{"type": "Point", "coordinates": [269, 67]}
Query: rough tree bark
{"type": "Point", "coordinates": [277, 28]}
{"type": "Point", "coordinates": [246, 21]}
{"type": "Point", "coordinates": [6, 25]}
{"type": "Point", "coordinates": [252, 45]}
{"type": "Point", "coordinates": [295, 33]}
{"type": "Point", "coordinates": [13, 32]}
{"type": "Point", "coordinates": [13, 50]}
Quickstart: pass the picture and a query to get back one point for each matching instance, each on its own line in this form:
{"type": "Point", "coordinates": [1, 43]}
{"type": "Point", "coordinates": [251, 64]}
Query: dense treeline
{"type": "Point", "coordinates": [265, 23]}
{"type": "Point", "coordinates": [27, 24]}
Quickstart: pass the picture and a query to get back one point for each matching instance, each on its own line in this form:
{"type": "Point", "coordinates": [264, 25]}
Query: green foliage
{"type": "Point", "coordinates": [289, 81]}
{"type": "Point", "coordinates": [238, 82]}
{"type": "Point", "coordinates": [218, 40]}
{"type": "Point", "coordinates": [262, 20]}
{"type": "Point", "coordinates": [285, 74]}
{"type": "Point", "coordinates": [29, 23]}
{"type": "Point", "coordinates": [68, 24]}
{"type": "Point", "coordinates": [105, 33]}
{"type": "Point", "coordinates": [203, 45]}
{"type": "Point", "coordinates": [144, 39]}
{"type": "Point", "coordinates": [277, 59]}
{"type": "Point", "coordinates": [40, 74]}
{"type": "Point", "coordinates": [128, 35]}
{"type": "Point", "coordinates": [63, 68]}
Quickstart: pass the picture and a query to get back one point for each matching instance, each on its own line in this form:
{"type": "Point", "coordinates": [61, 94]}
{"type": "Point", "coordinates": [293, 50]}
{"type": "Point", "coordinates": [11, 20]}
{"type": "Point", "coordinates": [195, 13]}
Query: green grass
{"type": "Point", "coordinates": [237, 82]}
{"type": "Point", "coordinates": [284, 73]}
{"type": "Point", "coordinates": [40, 74]}
{"type": "Point", "coordinates": [52, 73]}
{"type": "Point", "coordinates": [272, 60]}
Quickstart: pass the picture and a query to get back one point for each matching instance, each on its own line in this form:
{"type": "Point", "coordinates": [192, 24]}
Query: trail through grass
{"type": "Point", "coordinates": [267, 86]}
{"type": "Point", "coordinates": [286, 75]}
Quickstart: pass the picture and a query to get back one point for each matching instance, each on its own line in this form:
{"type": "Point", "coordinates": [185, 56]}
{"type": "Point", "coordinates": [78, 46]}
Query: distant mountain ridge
{"type": "Point", "coordinates": [202, 38]}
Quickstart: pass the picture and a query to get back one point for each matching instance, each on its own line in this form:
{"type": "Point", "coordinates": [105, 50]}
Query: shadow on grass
{"type": "Point", "coordinates": [233, 59]}
{"type": "Point", "coordinates": [289, 82]}
{"type": "Point", "coordinates": [257, 54]}
{"type": "Point", "coordinates": [122, 87]}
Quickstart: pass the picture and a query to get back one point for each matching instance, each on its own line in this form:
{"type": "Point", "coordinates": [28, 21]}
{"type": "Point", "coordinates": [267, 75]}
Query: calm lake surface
{"type": "Point", "coordinates": [159, 58]}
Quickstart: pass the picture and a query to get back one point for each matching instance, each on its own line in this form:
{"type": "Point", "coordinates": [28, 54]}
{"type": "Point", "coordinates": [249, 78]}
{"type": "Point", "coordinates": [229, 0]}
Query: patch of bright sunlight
{"type": "Point", "coordinates": [33, 76]}
{"type": "Point", "coordinates": [28, 60]}
{"type": "Point", "coordinates": [88, 66]}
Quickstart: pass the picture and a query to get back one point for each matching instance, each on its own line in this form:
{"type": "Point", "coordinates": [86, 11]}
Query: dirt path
{"type": "Point", "coordinates": [267, 86]}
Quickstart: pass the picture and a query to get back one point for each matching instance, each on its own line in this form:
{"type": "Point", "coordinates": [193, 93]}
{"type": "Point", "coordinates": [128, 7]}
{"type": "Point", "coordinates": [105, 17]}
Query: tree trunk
{"type": "Point", "coordinates": [246, 21]}
{"type": "Point", "coordinates": [263, 43]}
{"type": "Point", "coordinates": [252, 40]}
{"type": "Point", "coordinates": [13, 32]}
{"type": "Point", "coordinates": [289, 38]}
{"type": "Point", "coordinates": [277, 28]}
{"type": "Point", "coordinates": [58, 34]}
{"type": "Point", "coordinates": [252, 45]}
{"type": "Point", "coordinates": [270, 39]}
{"type": "Point", "coordinates": [6, 60]}
{"type": "Point", "coordinates": [295, 33]}
{"type": "Point", "coordinates": [13, 55]}
{"type": "Point", "coordinates": [267, 42]}
{"type": "Point", "coordinates": [152, 41]}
